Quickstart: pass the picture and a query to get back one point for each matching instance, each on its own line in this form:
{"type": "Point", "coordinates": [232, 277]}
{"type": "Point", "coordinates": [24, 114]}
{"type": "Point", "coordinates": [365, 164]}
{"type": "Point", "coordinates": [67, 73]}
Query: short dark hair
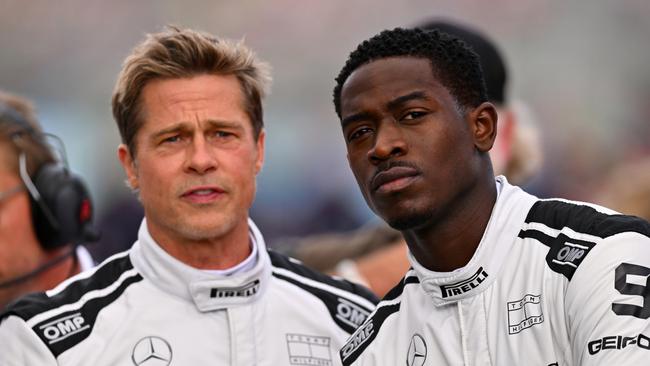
{"type": "Point", "coordinates": [493, 64]}
{"type": "Point", "coordinates": [452, 62]}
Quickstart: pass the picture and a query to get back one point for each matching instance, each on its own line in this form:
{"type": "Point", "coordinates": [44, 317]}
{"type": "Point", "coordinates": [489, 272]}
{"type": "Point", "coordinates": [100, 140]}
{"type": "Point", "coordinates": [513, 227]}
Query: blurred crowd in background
{"type": "Point", "coordinates": [581, 67]}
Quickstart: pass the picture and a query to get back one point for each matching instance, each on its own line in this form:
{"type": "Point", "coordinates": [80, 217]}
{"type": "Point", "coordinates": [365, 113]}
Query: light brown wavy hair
{"type": "Point", "coordinates": [183, 53]}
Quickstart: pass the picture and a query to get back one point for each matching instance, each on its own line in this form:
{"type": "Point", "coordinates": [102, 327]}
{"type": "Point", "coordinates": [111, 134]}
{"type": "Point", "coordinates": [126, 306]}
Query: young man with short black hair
{"type": "Point", "coordinates": [499, 277]}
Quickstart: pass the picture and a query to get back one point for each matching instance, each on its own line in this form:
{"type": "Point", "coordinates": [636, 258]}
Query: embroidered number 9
{"type": "Point", "coordinates": [626, 288]}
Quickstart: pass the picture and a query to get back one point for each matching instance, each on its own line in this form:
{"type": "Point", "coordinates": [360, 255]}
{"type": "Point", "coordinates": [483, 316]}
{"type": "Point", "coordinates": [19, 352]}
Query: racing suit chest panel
{"type": "Point", "coordinates": [296, 332]}
{"type": "Point", "coordinates": [526, 320]}
{"type": "Point", "coordinates": [136, 327]}
{"type": "Point", "coordinates": [243, 331]}
{"type": "Point", "coordinates": [519, 319]}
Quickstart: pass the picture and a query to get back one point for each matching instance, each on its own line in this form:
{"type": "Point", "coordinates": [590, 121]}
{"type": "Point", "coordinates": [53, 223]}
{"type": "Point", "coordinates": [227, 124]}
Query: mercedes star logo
{"type": "Point", "coordinates": [417, 351]}
{"type": "Point", "coordinates": [152, 351]}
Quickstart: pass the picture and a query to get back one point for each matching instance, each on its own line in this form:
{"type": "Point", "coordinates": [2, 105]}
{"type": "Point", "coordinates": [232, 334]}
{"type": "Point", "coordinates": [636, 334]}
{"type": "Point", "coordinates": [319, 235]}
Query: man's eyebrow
{"type": "Point", "coordinates": [354, 118]}
{"type": "Point", "coordinates": [416, 95]}
{"type": "Point", "coordinates": [408, 97]}
{"type": "Point", "coordinates": [213, 123]}
{"type": "Point", "coordinates": [171, 129]}
{"type": "Point", "coordinates": [185, 126]}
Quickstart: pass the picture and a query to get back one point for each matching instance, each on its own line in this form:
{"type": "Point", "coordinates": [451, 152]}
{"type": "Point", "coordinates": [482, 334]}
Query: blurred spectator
{"type": "Point", "coordinates": [375, 255]}
{"type": "Point", "coordinates": [627, 189]}
{"type": "Point", "coordinates": [45, 211]}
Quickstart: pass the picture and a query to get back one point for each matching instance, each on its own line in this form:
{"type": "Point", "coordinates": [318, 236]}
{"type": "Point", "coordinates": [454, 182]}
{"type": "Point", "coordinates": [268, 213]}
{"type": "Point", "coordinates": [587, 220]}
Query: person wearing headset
{"type": "Point", "coordinates": [45, 211]}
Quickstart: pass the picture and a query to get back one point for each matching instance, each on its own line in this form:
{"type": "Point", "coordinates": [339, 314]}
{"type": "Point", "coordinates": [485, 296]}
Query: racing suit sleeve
{"type": "Point", "coordinates": [607, 303]}
{"type": "Point", "coordinates": [20, 346]}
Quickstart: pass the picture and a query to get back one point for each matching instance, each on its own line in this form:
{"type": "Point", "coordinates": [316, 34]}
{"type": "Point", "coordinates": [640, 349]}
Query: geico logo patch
{"type": "Point", "coordinates": [60, 329]}
{"type": "Point", "coordinates": [246, 290]}
{"type": "Point", "coordinates": [357, 340]}
{"type": "Point", "coordinates": [618, 342]}
{"type": "Point", "coordinates": [464, 286]}
{"type": "Point", "coordinates": [350, 313]}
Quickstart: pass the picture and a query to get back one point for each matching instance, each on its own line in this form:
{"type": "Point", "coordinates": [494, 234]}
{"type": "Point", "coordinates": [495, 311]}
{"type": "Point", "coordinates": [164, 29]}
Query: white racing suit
{"type": "Point", "coordinates": [144, 307]}
{"type": "Point", "coordinates": [552, 282]}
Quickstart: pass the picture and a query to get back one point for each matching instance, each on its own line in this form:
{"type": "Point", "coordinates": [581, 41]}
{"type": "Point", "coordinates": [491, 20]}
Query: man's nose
{"type": "Point", "coordinates": [389, 142]}
{"type": "Point", "coordinates": [201, 157]}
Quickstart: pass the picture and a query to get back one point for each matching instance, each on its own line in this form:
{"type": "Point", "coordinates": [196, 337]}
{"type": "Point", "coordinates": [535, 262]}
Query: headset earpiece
{"type": "Point", "coordinates": [67, 199]}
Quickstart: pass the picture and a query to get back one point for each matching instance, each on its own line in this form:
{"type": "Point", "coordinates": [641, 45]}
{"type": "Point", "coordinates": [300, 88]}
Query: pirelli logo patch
{"type": "Point", "coordinates": [246, 290]}
{"type": "Point", "coordinates": [464, 286]}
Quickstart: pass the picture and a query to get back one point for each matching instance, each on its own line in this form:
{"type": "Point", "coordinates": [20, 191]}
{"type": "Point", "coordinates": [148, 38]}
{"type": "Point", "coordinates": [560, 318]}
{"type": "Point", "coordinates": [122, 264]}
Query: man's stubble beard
{"type": "Point", "coordinates": [215, 228]}
{"type": "Point", "coordinates": [411, 220]}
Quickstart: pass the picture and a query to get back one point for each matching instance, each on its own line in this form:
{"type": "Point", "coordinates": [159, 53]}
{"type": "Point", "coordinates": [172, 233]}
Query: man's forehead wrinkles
{"type": "Point", "coordinates": [187, 103]}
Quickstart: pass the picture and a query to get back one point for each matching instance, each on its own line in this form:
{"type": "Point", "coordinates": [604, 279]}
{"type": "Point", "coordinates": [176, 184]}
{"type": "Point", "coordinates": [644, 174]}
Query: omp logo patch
{"type": "Point", "coordinates": [358, 338]}
{"type": "Point", "coordinates": [524, 313]}
{"type": "Point", "coordinates": [309, 350]}
{"type": "Point", "coordinates": [464, 286]}
{"type": "Point", "coordinates": [62, 328]}
{"type": "Point", "coordinates": [566, 254]}
{"type": "Point", "coordinates": [570, 253]}
{"type": "Point", "coordinates": [246, 290]}
{"type": "Point", "coordinates": [350, 313]}
{"type": "Point", "coordinates": [618, 343]}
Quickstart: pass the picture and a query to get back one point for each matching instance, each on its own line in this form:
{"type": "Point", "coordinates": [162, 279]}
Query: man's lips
{"type": "Point", "coordinates": [202, 193]}
{"type": "Point", "coordinates": [393, 178]}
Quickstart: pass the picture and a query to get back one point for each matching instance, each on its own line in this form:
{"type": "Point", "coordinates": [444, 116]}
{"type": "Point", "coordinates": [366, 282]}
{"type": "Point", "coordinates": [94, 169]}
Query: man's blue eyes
{"type": "Point", "coordinates": [177, 138]}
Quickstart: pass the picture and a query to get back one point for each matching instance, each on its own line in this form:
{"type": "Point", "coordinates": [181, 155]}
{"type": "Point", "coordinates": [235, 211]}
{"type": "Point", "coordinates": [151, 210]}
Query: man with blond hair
{"type": "Point", "coordinates": [198, 286]}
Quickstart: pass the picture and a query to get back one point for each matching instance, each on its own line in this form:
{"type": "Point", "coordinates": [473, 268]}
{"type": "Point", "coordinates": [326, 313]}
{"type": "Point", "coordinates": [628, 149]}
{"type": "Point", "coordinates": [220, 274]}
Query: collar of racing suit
{"type": "Point", "coordinates": [207, 291]}
{"type": "Point", "coordinates": [505, 222]}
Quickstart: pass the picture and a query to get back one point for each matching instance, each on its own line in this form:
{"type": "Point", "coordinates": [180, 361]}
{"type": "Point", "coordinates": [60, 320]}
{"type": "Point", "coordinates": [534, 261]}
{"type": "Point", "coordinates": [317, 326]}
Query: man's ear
{"type": "Point", "coordinates": [259, 161]}
{"type": "Point", "coordinates": [483, 124]}
{"type": "Point", "coordinates": [128, 164]}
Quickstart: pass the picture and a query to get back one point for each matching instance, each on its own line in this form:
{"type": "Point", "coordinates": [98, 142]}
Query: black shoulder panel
{"type": "Point", "coordinates": [585, 219]}
{"type": "Point", "coordinates": [65, 329]}
{"type": "Point", "coordinates": [566, 253]}
{"type": "Point", "coordinates": [346, 312]}
{"type": "Point", "coordinates": [282, 261]}
{"type": "Point", "coordinates": [367, 332]}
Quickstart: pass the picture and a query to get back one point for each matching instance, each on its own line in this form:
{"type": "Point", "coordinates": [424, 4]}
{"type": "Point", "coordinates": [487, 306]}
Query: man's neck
{"type": "Point", "coordinates": [219, 253]}
{"type": "Point", "coordinates": [450, 241]}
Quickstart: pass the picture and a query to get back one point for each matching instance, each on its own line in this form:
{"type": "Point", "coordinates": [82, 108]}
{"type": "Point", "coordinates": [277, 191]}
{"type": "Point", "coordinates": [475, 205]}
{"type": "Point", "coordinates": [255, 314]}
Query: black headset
{"type": "Point", "coordinates": [62, 210]}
